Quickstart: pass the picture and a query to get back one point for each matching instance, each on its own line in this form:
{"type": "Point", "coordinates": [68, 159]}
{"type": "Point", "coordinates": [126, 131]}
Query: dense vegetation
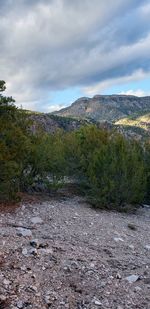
{"type": "Point", "coordinates": [111, 170]}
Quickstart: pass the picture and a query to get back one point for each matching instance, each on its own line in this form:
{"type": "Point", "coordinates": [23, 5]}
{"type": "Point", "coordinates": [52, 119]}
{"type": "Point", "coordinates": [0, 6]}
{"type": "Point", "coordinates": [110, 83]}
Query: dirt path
{"type": "Point", "coordinates": [63, 254]}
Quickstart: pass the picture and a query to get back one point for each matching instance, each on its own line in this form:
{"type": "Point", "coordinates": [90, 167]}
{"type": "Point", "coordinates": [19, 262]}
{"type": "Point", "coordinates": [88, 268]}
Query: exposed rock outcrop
{"type": "Point", "coordinates": [106, 107]}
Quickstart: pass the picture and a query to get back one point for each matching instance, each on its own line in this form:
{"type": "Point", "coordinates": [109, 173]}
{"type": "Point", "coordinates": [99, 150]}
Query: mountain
{"type": "Point", "coordinates": [135, 126]}
{"type": "Point", "coordinates": [142, 122]}
{"type": "Point", "coordinates": [109, 108]}
{"type": "Point", "coordinates": [50, 123]}
{"type": "Point", "coordinates": [129, 115]}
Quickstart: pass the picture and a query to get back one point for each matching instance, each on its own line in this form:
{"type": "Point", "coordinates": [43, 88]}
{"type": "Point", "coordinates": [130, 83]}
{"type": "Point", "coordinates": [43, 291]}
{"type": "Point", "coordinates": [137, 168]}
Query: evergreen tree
{"type": "Point", "coordinates": [13, 146]}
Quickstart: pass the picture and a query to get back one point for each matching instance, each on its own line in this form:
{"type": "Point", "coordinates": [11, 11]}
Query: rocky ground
{"type": "Point", "coordinates": [60, 253]}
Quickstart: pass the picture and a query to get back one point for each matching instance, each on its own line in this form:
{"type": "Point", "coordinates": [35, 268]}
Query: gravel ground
{"type": "Point", "coordinates": [60, 253]}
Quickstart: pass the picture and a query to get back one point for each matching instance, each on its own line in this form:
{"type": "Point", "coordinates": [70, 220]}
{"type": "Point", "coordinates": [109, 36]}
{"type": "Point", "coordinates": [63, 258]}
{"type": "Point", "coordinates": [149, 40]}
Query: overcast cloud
{"type": "Point", "coordinates": [52, 45]}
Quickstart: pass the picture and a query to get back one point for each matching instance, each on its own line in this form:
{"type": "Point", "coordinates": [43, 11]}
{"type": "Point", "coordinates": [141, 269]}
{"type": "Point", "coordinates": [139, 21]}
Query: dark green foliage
{"type": "Point", "coordinates": [47, 160]}
{"type": "Point", "coordinates": [147, 171]}
{"type": "Point", "coordinates": [14, 146]}
{"type": "Point", "coordinates": [111, 170]}
{"type": "Point", "coordinates": [27, 159]}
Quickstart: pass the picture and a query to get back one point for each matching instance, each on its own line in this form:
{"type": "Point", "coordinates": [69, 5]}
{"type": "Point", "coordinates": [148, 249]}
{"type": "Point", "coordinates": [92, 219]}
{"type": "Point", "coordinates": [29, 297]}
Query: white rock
{"type": "Point", "coordinates": [92, 265]}
{"type": "Point", "coordinates": [6, 282]}
{"type": "Point", "coordinates": [137, 289]}
{"type": "Point", "coordinates": [146, 205]}
{"type": "Point", "coordinates": [131, 246]}
{"type": "Point", "coordinates": [118, 276]}
{"type": "Point", "coordinates": [132, 278]}
{"type": "Point", "coordinates": [23, 232]}
{"type": "Point", "coordinates": [33, 251]}
{"type": "Point", "coordinates": [118, 239]}
{"type": "Point", "coordinates": [97, 303]}
{"type": "Point", "coordinates": [36, 220]}
{"type": "Point", "coordinates": [45, 251]}
{"type": "Point", "coordinates": [3, 297]}
{"type": "Point", "coordinates": [20, 304]}
{"type": "Point", "coordinates": [25, 251]}
{"type": "Point", "coordinates": [147, 247]}
{"type": "Point", "coordinates": [23, 268]}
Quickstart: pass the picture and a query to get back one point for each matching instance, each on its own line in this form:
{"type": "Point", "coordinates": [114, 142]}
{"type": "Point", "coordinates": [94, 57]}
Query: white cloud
{"type": "Point", "coordinates": [56, 107]}
{"type": "Point", "coordinates": [137, 92]}
{"type": "Point", "coordinates": [100, 87]}
{"type": "Point", "coordinates": [57, 44]}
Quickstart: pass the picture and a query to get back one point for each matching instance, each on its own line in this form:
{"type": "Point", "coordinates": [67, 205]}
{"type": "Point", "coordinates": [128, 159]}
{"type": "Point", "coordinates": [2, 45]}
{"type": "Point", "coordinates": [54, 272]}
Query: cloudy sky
{"type": "Point", "coordinates": [54, 51]}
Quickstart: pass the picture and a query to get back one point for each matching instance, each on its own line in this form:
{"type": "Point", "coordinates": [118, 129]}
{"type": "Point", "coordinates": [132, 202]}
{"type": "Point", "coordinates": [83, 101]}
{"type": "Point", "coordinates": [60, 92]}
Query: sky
{"type": "Point", "coordinates": [54, 51]}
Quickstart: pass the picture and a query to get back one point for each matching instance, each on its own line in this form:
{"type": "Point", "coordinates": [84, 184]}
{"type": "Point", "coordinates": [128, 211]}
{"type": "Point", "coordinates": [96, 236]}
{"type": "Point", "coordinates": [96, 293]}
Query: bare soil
{"type": "Point", "coordinates": [74, 257]}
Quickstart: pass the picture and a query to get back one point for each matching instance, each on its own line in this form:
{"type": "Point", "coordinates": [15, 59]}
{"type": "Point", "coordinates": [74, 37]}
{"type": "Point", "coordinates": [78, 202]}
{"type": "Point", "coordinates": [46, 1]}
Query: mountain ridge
{"type": "Point", "coordinates": [129, 115]}
{"type": "Point", "coordinates": [109, 108]}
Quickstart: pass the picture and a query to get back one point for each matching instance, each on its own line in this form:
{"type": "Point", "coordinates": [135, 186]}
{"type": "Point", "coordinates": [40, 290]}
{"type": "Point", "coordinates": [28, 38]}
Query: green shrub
{"type": "Point", "coordinates": [112, 168]}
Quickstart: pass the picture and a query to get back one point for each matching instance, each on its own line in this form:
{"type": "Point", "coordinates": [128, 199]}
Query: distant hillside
{"type": "Point", "coordinates": [142, 122]}
{"type": "Point", "coordinates": [136, 126]}
{"type": "Point", "coordinates": [129, 115]}
{"type": "Point", "coordinates": [109, 108]}
{"type": "Point", "coordinates": [50, 123]}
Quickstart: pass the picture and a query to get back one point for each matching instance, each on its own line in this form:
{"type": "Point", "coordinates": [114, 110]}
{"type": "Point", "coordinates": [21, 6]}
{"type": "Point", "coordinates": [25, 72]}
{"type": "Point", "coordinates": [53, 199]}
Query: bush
{"type": "Point", "coordinates": [112, 168]}
{"type": "Point", "coordinates": [14, 146]}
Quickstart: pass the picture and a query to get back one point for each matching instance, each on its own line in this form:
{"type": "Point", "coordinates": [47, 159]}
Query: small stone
{"type": "Point", "coordinates": [131, 226]}
{"type": "Point", "coordinates": [75, 264]}
{"type": "Point", "coordinates": [147, 280]}
{"type": "Point", "coordinates": [47, 299]}
{"type": "Point", "coordinates": [118, 239]}
{"type": "Point", "coordinates": [131, 246]}
{"type": "Point", "coordinates": [25, 251]}
{"type": "Point", "coordinates": [34, 243]}
{"type": "Point", "coordinates": [23, 232]}
{"type": "Point", "coordinates": [118, 276]}
{"type": "Point", "coordinates": [97, 303]}
{"type": "Point", "coordinates": [6, 282]}
{"type": "Point", "coordinates": [32, 289]}
{"type": "Point", "coordinates": [147, 247]}
{"type": "Point", "coordinates": [92, 265]}
{"type": "Point", "coordinates": [3, 298]}
{"type": "Point", "coordinates": [137, 289]}
{"type": "Point", "coordinates": [23, 268]}
{"type": "Point", "coordinates": [132, 278]}
{"type": "Point", "coordinates": [20, 304]}
{"type": "Point", "coordinates": [146, 205]}
{"type": "Point", "coordinates": [45, 251]}
{"type": "Point", "coordinates": [33, 251]}
{"type": "Point", "coordinates": [62, 303]}
{"type": "Point", "coordinates": [36, 220]}
{"type": "Point", "coordinates": [43, 245]}
{"type": "Point", "coordinates": [67, 268]}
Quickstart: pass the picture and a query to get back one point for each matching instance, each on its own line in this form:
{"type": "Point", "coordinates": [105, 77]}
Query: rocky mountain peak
{"type": "Point", "coordinates": [106, 107]}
